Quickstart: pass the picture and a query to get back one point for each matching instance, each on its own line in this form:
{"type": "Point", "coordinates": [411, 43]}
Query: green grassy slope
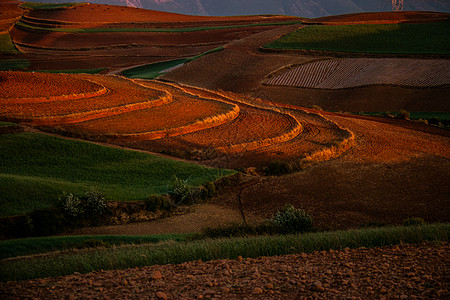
{"type": "Point", "coordinates": [35, 170]}
{"type": "Point", "coordinates": [430, 38]}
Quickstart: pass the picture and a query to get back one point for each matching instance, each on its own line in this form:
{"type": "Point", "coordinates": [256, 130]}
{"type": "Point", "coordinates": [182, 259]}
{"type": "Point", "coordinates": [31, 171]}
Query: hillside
{"type": "Point", "coordinates": [301, 8]}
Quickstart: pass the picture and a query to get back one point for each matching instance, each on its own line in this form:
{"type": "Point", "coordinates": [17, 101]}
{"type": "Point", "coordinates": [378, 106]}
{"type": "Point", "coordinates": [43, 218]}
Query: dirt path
{"type": "Point", "coordinates": [400, 272]}
{"type": "Point", "coordinates": [197, 218]}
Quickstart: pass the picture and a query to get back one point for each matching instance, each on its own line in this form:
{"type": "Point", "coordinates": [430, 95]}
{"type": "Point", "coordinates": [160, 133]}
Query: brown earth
{"type": "Point", "coordinates": [399, 272]}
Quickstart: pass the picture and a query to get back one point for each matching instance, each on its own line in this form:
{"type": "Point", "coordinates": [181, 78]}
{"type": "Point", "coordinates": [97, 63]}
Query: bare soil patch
{"type": "Point", "coordinates": [402, 271]}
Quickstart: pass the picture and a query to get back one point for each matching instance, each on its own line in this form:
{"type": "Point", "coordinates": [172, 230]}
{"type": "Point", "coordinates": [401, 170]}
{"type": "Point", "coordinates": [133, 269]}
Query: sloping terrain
{"type": "Point", "coordinates": [160, 117]}
{"type": "Point", "coordinates": [88, 36]}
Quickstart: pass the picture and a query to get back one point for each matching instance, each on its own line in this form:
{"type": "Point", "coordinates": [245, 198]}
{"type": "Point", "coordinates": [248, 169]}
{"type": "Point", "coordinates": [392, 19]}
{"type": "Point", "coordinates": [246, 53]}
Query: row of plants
{"type": "Point", "coordinates": [211, 249]}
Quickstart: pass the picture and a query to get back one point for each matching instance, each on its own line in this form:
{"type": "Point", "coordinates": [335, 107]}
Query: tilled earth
{"type": "Point", "coordinates": [398, 272]}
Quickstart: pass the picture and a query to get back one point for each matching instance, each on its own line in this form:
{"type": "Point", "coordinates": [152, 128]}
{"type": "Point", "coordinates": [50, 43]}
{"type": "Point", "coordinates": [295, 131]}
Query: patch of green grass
{"type": "Point", "coordinates": [7, 45]}
{"type": "Point", "coordinates": [74, 71]}
{"type": "Point", "coordinates": [35, 169]}
{"type": "Point", "coordinates": [152, 71]}
{"type": "Point", "coordinates": [40, 245]}
{"type": "Point", "coordinates": [6, 124]}
{"type": "Point", "coordinates": [169, 30]}
{"type": "Point", "coordinates": [47, 6]}
{"type": "Point", "coordinates": [178, 252]}
{"type": "Point", "coordinates": [14, 64]}
{"type": "Point", "coordinates": [429, 38]}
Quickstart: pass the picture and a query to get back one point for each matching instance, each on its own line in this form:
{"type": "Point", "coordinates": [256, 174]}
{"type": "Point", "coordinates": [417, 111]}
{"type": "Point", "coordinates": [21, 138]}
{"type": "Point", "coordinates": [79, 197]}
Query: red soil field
{"type": "Point", "coordinates": [19, 85]}
{"type": "Point", "coordinates": [381, 18]}
{"type": "Point", "coordinates": [9, 13]}
{"type": "Point", "coordinates": [86, 13]}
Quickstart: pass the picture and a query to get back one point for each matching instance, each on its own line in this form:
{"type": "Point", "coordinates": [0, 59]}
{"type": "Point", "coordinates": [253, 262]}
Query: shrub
{"type": "Point", "coordinates": [93, 203]}
{"type": "Point", "coordinates": [415, 221]}
{"type": "Point", "coordinates": [181, 192]}
{"type": "Point", "coordinates": [278, 168]}
{"type": "Point", "coordinates": [403, 114]}
{"type": "Point", "coordinates": [291, 220]}
{"type": "Point", "coordinates": [155, 203]}
{"type": "Point", "coordinates": [72, 205]}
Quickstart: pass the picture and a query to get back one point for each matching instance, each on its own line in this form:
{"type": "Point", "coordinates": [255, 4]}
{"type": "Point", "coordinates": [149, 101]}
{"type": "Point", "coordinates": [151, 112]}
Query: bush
{"type": "Point", "coordinates": [291, 220]}
{"type": "Point", "coordinates": [93, 203]}
{"type": "Point", "coordinates": [403, 114]}
{"type": "Point", "coordinates": [181, 192]}
{"type": "Point", "coordinates": [155, 203]}
{"type": "Point", "coordinates": [413, 222]}
{"type": "Point", "coordinates": [278, 168]}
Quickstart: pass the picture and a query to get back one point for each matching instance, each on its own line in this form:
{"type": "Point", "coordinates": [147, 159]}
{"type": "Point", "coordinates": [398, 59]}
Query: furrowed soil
{"type": "Point", "coordinates": [399, 272]}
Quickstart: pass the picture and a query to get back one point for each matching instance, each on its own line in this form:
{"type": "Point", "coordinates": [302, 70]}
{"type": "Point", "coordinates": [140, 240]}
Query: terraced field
{"type": "Point", "coordinates": [121, 37]}
{"type": "Point", "coordinates": [160, 117]}
{"type": "Point", "coordinates": [353, 72]}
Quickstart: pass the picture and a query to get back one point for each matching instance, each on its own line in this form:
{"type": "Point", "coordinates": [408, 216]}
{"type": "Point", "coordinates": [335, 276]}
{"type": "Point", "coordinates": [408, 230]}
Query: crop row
{"type": "Point", "coordinates": [345, 73]}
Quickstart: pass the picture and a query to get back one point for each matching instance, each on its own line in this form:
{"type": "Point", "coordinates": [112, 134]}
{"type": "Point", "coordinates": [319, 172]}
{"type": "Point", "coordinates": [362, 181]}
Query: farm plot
{"type": "Point", "coordinates": [346, 73]}
{"type": "Point", "coordinates": [381, 18]}
{"type": "Point", "coordinates": [123, 96]}
{"type": "Point", "coordinates": [21, 85]}
{"type": "Point", "coordinates": [183, 115]}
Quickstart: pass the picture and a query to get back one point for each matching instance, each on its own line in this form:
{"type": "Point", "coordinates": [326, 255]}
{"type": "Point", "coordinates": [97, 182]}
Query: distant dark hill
{"type": "Point", "coordinates": [302, 8]}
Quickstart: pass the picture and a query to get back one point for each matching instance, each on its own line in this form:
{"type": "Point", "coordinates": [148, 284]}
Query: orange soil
{"type": "Point", "coordinates": [381, 18]}
{"type": "Point", "coordinates": [117, 14]}
{"type": "Point", "coordinates": [14, 85]}
{"type": "Point", "coordinates": [9, 12]}
{"type": "Point", "coordinates": [181, 112]}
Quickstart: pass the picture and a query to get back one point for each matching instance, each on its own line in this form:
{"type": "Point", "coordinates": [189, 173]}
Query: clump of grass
{"type": "Point", "coordinates": [174, 253]}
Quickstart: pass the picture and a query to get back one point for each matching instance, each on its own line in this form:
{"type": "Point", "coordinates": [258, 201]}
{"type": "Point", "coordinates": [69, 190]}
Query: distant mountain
{"type": "Point", "coordinates": [301, 8]}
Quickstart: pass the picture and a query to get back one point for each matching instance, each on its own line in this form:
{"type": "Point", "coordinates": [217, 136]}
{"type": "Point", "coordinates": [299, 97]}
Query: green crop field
{"type": "Point", "coordinates": [35, 170]}
{"type": "Point", "coordinates": [169, 30]}
{"type": "Point", "coordinates": [152, 71]}
{"type": "Point", "coordinates": [47, 6]}
{"type": "Point", "coordinates": [430, 38]}
{"type": "Point", "coordinates": [14, 64]}
{"type": "Point", "coordinates": [7, 45]}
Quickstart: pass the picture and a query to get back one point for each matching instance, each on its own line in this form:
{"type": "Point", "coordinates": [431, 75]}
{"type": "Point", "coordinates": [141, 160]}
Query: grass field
{"type": "Point", "coordinates": [6, 45]}
{"type": "Point", "coordinates": [33, 5]}
{"type": "Point", "coordinates": [178, 252]}
{"type": "Point", "coordinates": [168, 30]}
{"type": "Point", "coordinates": [429, 38]}
{"type": "Point", "coordinates": [152, 71]}
{"type": "Point", "coordinates": [36, 169]}
{"type": "Point", "coordinates": [39, 245]}
{"type": "Point", "coordinates": [14, 64]}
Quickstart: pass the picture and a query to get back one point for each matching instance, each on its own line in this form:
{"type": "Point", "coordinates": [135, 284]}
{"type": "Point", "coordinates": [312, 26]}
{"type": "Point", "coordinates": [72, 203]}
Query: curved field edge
{"type": "Point", "coordinates": [429, 38]}
{"type": "Point", "coordinates": [46, 166]}
{"type": "Point", "coordinates": [348, 139]}
{"type": "Point", "coordinates": [205, 250]}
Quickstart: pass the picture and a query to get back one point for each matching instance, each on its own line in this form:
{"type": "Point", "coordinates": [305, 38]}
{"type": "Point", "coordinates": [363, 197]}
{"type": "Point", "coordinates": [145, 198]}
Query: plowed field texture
{"type": "Point", "coordinates": [427, 38]}
{"type": "Point", "coordinates": [90, 36]}
{"type": "Point", "coordinates": [160, 117]}
{"type": "Point", "coordinates": [353, 72]}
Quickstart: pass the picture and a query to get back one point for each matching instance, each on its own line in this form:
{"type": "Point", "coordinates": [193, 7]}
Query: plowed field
{"type": "Point", "coordinates": [353, 72]}
{"type": "Point", "coordinates": [159, 116]}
